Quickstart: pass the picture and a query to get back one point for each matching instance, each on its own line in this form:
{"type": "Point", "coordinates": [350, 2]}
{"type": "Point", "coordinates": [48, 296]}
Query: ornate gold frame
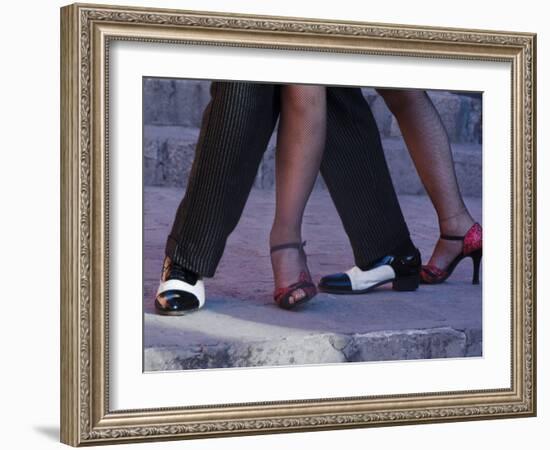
{"type": "Point", "coordinates": [86, 31]}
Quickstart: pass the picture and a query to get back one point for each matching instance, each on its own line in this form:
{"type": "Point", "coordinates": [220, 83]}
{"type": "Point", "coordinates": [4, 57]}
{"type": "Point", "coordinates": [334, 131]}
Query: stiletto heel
{"type": "Point", "coordinates": [297, 293]}
{"type": "Point", "coordinates": [471, 247]}
{"type": "Point", "coordinates": [476, 258]}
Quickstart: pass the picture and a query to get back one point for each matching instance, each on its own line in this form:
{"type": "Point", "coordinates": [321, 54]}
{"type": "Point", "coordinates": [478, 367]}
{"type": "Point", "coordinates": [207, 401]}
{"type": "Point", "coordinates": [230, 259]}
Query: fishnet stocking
{"type": "Point", "coordinates": [428, 144]}
{"type": "Point", "coordinates": [300, 144]}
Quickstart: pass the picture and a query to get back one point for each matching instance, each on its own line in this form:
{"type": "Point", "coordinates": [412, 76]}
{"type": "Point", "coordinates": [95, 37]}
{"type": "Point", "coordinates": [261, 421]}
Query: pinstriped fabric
{"type": "Point", "coordinates": [357, 175]}
{"type": "Point", "coordinates": [236, 128]}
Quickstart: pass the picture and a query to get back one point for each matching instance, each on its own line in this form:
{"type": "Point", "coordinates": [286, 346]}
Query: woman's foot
{"type": "Point", "coordinates": [293, 284]}
{"type": "Point", "coordinates": [460, 238]}
{"type": "Point", "coordinates": [446, 251]}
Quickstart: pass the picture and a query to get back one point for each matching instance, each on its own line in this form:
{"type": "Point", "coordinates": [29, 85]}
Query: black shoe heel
{"type": "Point", "coordinates": [408, 283]}
{"type": "Point", "coordinates": [476, 258]}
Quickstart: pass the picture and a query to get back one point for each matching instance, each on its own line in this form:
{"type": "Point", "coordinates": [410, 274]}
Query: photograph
{"type": "Point", "coordinates": [384, 185]}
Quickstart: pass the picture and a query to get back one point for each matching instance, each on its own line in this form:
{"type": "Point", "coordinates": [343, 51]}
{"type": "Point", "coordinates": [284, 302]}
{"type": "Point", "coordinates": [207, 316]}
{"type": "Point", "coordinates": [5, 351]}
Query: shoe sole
{"type": "Point", "coordinates": [297, 304]}
{"type": "Point", "coordinates": [405, 284]}
{"type": "Point", "coordinates": [164, 312]}
{"type": "Point", "coordinates": [362, 291]}
{"type": "Point", "coordinates": [175, 313]}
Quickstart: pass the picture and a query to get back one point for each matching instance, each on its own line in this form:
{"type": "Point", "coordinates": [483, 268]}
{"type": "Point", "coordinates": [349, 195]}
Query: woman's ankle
{"type": "Point", "coordinates": [284, 235]}
{"type": "Point", "coordinates": [457, 224]}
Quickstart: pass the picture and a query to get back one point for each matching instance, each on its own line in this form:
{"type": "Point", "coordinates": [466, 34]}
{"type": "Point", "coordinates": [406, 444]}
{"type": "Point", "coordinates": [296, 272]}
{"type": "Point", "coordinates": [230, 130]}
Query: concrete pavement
{"type": "Point", "coordinates": [240, 325]}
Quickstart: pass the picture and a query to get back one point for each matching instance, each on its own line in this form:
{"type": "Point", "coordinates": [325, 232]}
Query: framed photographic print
{"type": "Point", "coordinates": [200, 151]}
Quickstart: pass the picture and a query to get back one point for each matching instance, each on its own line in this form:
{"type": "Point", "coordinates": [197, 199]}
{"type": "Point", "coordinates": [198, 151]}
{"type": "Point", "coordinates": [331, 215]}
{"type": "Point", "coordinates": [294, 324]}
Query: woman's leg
{"type": "Point", "coordinates": [429, 147]}
{"type": "Point", "coordinates": [300, 144]}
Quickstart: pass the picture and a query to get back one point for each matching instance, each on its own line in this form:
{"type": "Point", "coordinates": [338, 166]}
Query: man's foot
{"type": "Point", "coordinates": [401, 269]}
{"type": "Point", "coordinates": [180, 291]}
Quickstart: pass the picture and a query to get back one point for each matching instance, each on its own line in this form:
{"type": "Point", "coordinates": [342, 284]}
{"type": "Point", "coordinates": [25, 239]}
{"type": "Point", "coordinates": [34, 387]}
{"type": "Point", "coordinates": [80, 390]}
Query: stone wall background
{"type": "Point", "coordinates": [173, 111]}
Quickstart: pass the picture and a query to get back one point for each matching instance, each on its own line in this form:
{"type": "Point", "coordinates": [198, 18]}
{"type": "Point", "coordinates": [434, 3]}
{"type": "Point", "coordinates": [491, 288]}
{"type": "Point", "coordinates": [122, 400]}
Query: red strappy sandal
{"type": "Point", "coordinates": [297, 293]}
{"type": "Point", "coordinates": [471, 247]}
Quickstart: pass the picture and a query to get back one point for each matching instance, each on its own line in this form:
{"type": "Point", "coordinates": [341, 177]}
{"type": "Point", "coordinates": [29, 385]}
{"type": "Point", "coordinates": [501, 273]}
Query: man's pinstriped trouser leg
{"type": "Point", "coordinates": [236, 128]}
{"type": "Point", "coordinates": [357, 176]}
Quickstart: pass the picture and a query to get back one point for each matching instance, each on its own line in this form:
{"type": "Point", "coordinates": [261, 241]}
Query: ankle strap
{"type": "Point", "coordinates": [298, 245]}
{"type": "Point", "coordinates": [448, 237]}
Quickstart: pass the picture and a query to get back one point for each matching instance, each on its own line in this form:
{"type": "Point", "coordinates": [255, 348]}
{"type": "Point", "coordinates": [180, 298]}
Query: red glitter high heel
{"type": "Point", "coordinates": [471, 247]}
{"type": "Point", "coordinates": [297, 293]}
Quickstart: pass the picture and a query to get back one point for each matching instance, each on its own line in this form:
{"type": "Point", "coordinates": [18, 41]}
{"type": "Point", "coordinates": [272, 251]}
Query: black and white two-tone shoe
{"type": "Point", "coordinates": [180, 291]}
{"type": "Point", "coordinates": [403, 271]}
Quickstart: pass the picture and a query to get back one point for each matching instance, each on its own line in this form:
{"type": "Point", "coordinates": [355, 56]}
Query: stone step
{"type": "Point", "coordinates": [179, 102]}
{"type": "Point", "coordinates": [169, 152]}
{"type": "Point", "coordinates": [467, 161]}
{"type": "Point", "coordinates": [292, 348]}
{"type": "Point", "coordinates": [240, 325]}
